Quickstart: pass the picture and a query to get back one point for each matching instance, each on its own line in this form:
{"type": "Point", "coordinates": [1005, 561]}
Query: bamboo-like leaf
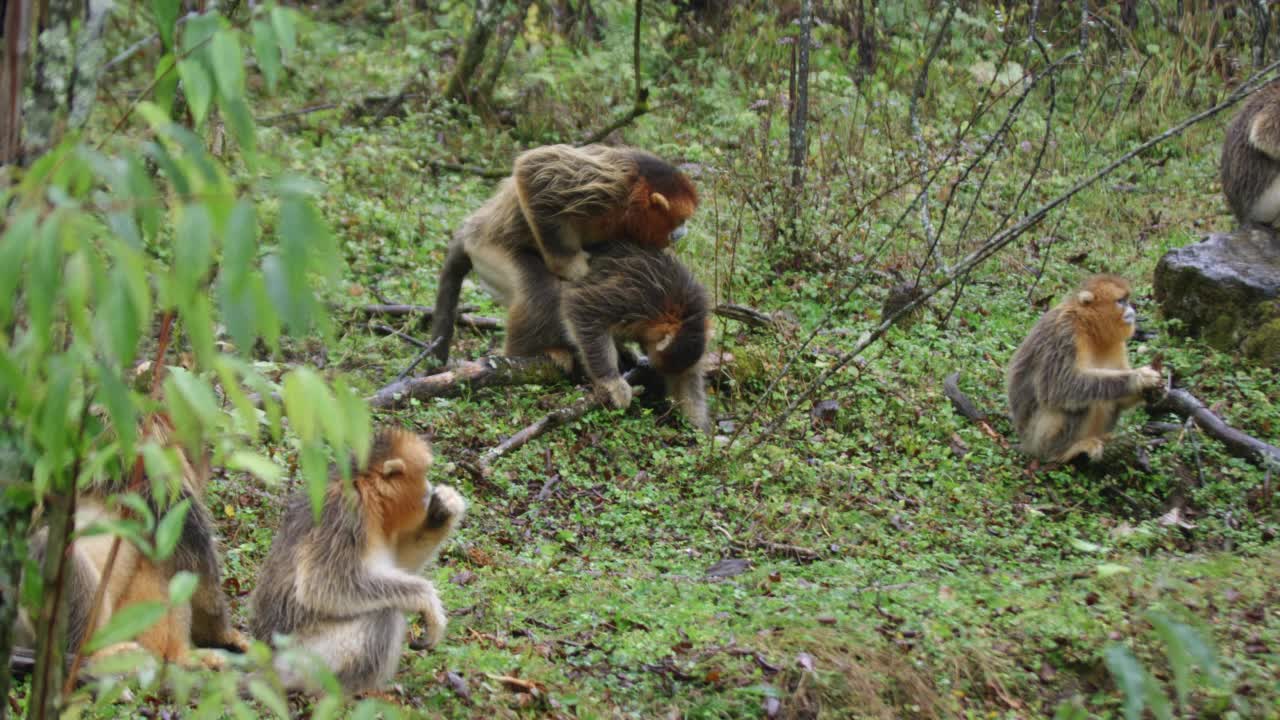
{"type": "Point", "coordinates": [182, 586]}
{"type": "Point", "coordinates": [267, 51]}
{"type": "Point", "coordinates": [169, 530]}
{"type": "Point", "coordinates": [312, 461]}
{"type": "Point", "coordinates": [198, 87]}
{"type": "Point", "coordinates": [166, 17]}
{"type": "Point", "coordinates": [262, 467]}
{"type": "Point", "coordinates": [1129, 677]}
{"type": "Point", "coordinates": [126, 624]}
{"type": "Point", "coordinates": [282, 21]}
{"type": "Point", "coordinates": [300, 405]}
{"type": "Point", "coordinates": [14, 245]}
{"type": "Point", "coordinates": [227, 64]}
{"type": "Point", "coordinates": [265, 694]}
{"type": "Point", "coordinates": [166, 79]}
{"type": "Point", "coordinates": [118, 399]}
{"type": "Point", "coordinates": [240, 119]}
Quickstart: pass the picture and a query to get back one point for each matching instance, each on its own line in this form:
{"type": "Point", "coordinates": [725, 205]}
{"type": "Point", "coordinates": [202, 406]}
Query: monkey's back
{"type": "Point", "coordinates": [1046, 358]}
{"type": "Point", "coordinates": [332, 544]}
{"type": "Point", "coordinates": [1247, 173]}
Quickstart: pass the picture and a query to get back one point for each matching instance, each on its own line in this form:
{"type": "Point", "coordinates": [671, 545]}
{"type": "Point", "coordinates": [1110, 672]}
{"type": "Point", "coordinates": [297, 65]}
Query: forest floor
{"type": "Point", "coordinates": [878, 555]}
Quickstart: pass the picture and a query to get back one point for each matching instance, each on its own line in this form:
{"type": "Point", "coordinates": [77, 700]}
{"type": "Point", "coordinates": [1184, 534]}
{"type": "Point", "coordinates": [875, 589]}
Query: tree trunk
{"type": "Point", "coordinates": [12, 551]}
{"type": "Point", "coordinates": [14, 35]}
{"type": "Point", "coordinates": [487, 15]}
{"type": "Point", "coordinates": [510, 32]}
{"type": "Point", "coordinates": [69, 60]}
{"type": "Point", "coordinates": [45, 701]}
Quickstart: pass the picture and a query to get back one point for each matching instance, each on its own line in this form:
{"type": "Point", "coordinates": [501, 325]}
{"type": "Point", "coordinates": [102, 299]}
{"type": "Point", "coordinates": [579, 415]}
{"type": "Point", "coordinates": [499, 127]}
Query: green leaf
{"type": "Point", "coordinates": [235, 276]}
{"type": "Point", "coordinates": [1106, 570]}
{"type": "Point", "coordinates": [198, 87]}
{"type": "Point", "coordinates": [1129, 677]}
{"type": "Point", "coordinates": [147, 203]}
{"type": "Point", "coordinates": [14, 246]}
{"type": "Point", "coordinates": [1185, 649]}
{"type": "Point", "coordinates": [267, 51]}
{"type": "Point", "coordinates": [298, 404]}
{"type": "Point", "coordinates": [1086, 546]}
{"type": "Point", "coordinates": [166, 79]}
{"type": "Point", "coordinates": [166, 12]}
{"type": "Point", "coordinates": [140, 508]}
{"type": "Point", "coordinates": [315, 471]}
{"type": "Point", "coordinates": [262, 467]}
{"type": "Point", "coordinates": [240, 119]}
{"type": "Point", "coordinates": [182, 586]}
{"type": "Point", "coordinates": [192, 248]}
{"type": "Point", "coordinates": [160, 154]}
{"type": "Point", "coordinates": [355, 413]}
{"type": "Point", "coordinates": [197, 318]}
{"type": "Point", "coordinates": [327, 709]}
{"type": "Point", "coordinates": [286, 35]}
{"type": "Point", "coordinates": [265, 694]}
{"type": "Point", "coordinates": [169, 531]}
{"type": "Point", "coordinates": [118, 399]}
{"type": "Point", "coordinates": [127, 623]}
{"type": "Point", "coordinates": [227, 62]}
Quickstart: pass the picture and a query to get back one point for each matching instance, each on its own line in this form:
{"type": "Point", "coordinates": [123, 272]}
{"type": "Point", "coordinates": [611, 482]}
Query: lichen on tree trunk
{"type": "Point", "coordinates": [69, 59]}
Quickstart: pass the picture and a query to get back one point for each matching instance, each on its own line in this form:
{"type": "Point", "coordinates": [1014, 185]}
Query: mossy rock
{"type": "Point", "coordinates": [1263, 345]}
{"type": "Point", "coordinates": [1226, 290]}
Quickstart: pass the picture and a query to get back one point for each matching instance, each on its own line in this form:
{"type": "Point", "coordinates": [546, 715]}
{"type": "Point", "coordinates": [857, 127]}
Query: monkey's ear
{"type": "Point", "coordinates": [1084, 297]}
{"type": "Point", "coordinates": [394, 466]}
{"type": "Point", "coordinates": [665, 342]}
{"type": "Point", "coordinates": [659, 200]}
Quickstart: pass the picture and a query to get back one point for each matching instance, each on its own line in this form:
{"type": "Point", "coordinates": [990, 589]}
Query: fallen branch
{"type": "Point", "coordinates": [744, 315]}
{"type": "Point", "coordinates": [1185, 405]}
{"type": "Point", "coordinates": [388, 330]}
{"type": "Point", "coordinates": [960, 401]}
{"type": "Point", "coordinates": [552, 420]}
{"type": "Point", "coordinates": [484, 372]}
{"type": "Point", "coordinates": [795, 552]}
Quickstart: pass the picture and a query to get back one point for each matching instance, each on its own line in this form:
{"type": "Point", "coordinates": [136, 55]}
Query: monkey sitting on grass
{"type": "Point", "coordinates": [1070, 378]}
{"type": "Point", "coordinates": [341, 586]}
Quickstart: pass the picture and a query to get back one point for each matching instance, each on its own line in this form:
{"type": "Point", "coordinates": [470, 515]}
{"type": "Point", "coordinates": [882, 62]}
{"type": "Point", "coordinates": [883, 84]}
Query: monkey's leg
{"type": "Point", "coordinates": [690, 394]}
{"type": "Point", "coordinates": [362, 651]}
{"type": "Point", "coordinates": [533, 323]}
{"type": "Point", "coordinates": [456, 266]}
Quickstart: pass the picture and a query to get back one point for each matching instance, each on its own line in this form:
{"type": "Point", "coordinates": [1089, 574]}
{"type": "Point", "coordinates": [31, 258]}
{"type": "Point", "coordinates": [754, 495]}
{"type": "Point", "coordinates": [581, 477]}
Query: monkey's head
{"type": "Point", "coordinates": [662, 200]}
{"type": "Point", "coordinates": [678, 340]}
{"type": "Point", "coordinates": [1102, 307]}
{"type": "Point", "coordinates": [393, 488]}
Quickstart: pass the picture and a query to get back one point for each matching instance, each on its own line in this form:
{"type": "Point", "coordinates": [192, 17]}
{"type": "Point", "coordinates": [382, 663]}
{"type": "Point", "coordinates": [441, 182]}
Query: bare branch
{"type": "Point", "coordinates": [1185, 405]}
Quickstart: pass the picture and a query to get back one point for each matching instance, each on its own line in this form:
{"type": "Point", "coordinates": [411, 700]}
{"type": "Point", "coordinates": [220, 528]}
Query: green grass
{"type": "Point", "coordinates": [944, 576]}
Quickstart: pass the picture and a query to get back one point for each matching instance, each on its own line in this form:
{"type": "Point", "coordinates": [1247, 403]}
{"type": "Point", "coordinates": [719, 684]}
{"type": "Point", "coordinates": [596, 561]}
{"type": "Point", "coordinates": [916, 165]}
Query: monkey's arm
{"type": "Point", "coordinates": [599, 357]}
{"type": "Point", "coordinates": [444, 511]}
{"type": "Point", "coordinates": [1075, 388]}
{"type": "Point", "coordinates": [558, 189]}
{"type": "Point", "coordinates": [364, 585]}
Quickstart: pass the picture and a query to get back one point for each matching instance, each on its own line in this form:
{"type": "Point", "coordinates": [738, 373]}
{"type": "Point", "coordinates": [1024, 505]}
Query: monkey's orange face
{"type": "Point", "coordinates": [1109, 299]}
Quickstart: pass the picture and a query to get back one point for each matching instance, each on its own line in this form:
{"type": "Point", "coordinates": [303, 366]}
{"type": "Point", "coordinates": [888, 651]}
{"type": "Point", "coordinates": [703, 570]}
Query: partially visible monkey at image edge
{"type": "Point", "coordinates": [1070, 378]}
{"type": "Point", "coordinates": [204, 621]}
{"type": "Point", "coordinates": [1250, 168]}
{"type": "Point", "coordinates": [341, 586]}
{"type": "Point", "coordinates": [630, 294]}
{"type": "Point", "coordinates": [558, 201]}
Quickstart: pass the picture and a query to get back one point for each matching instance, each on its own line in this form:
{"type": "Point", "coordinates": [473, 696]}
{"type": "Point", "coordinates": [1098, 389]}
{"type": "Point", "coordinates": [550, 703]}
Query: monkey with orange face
{"type": "Point", "coordinates": [340, 586]}
{"type": "Point", "coordinates": [1070, 378]}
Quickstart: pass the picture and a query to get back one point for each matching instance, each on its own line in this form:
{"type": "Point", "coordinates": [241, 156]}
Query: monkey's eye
{"type": "Point", "coordinates": [678, 233]}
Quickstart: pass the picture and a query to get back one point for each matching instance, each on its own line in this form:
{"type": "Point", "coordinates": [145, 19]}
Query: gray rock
{"type": "Point", "coordinates": [1226, 290]}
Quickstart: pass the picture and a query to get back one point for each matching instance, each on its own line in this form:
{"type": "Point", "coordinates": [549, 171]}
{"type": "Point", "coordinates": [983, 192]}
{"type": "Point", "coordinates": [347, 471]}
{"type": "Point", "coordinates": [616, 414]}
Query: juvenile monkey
{"type": "Point", "coordinates": [1070, 378]}
{"type": "Point", "coordinates": [341, 586]}
{"type": "Point", "coordinates": [630, 294]}
{"type": "Point", "coordinates": [1251, 159]}
{"type": "Point", "coordinates": [204, 621]}
{"type": "Point", "coordinates": [558, 200]}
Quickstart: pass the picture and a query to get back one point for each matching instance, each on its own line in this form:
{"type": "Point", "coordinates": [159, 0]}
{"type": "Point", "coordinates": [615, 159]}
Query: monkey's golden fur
{"type": "Point", "coordinates": [559, 200]}
{"type": "Point", "coordinates": [1070, 378]}
{"type": "Point", "coordinates": [341, 586]}
{"type": "Point", "coordinates": [1250, 167]}
{"type": "Point", "coordinates": [204, 621]}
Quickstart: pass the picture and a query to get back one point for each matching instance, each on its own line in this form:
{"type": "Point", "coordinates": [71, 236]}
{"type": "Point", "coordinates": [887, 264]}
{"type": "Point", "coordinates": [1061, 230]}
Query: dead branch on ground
{"type": "Point", "coordinates": [465, 319]}
{"type": "Point", "coordinates": [1182, 403]}
{"type": "Point", "coordinates": [481, 373]}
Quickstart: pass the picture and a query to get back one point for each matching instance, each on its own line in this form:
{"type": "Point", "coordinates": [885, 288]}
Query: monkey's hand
{"type": "Point", "coordinates": [616, 392]}
{"type": "Point", "coordinates": [445, 505]}
{"type": "Point", "coordinates": [433, 618]}
{"type": "Point", "coordinates": [1147, 378]}
{"type": "Point", "coordinates": [570, 268]}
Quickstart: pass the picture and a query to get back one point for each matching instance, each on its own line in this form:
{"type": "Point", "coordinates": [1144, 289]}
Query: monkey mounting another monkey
{"type": "Point", "coordinates": [630, 294]}
{"type": "Point", "coordinates": [559, 200]}
{"type": "Point", "coordinates": [1070, 378]}
{"type": "Point", "coordinates": [1250, 168]}
{"type": "Point", "coordinates": [204, 621]}
{"type": "Point", "coordinates": [341, 586]}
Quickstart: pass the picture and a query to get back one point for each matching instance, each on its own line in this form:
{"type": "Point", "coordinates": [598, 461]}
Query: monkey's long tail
{"type": "Point", "coordinates": [456, 266]}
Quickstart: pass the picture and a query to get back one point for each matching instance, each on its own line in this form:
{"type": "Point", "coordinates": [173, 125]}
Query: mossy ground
{"type": "Point", "coordinates": [941, 573]}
